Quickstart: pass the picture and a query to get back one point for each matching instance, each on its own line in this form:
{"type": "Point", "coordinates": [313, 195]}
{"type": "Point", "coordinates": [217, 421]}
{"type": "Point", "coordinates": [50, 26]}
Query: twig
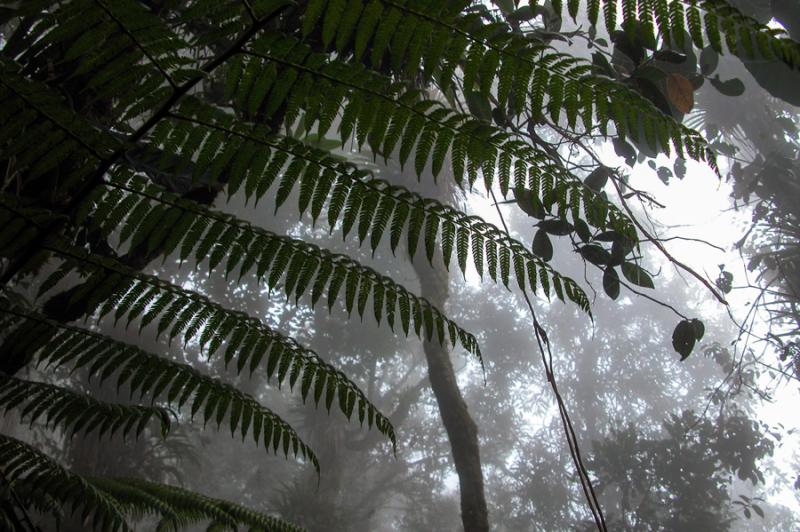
{"type": "Point", "coordinates": [688, 239]}
{"type": "Point", "coordinates": [666, 253]}
{"type": "Point", "coordinates": [638, 224]}
{"type": "Point", "coordinates": [569, 431]}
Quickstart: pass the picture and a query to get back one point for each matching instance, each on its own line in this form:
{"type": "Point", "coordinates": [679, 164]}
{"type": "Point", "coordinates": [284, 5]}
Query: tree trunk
{"type": "Point", "coordinates": [461, 429]}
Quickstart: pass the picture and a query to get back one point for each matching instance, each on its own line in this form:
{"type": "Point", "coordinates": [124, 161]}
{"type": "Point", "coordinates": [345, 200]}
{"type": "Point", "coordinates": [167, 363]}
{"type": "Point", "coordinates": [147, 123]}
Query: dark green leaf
{"type": "Point", "coordinates": [607, 236]}
{"type": "Point", "coordinates": [556, 226]}
{"type": "Point", "coordinates": [699, 328]}
{"type": "Point", "coordinates": [522, 14]}
{"type": "Point", "coordinates": [602, 65]}
{"type": "Point", "coordinates": [637, 275]}
{"type": "Point", "coordinates": [582, 228]}
{"type": "Point", "coordinates": [620, 249]}
{"type": "Point", "coordinates": [598, 178]}
{"type": "Point", "coordinates": [595, 254]}
{"type": "Point", "coordinates": [731, 87]}
{"type": "Point", "coordinates": [479, 106]}
{"type": "Point", "coordinates": [611, 282]}
{"type": "Point", "coordinates": [679, 168]}
{"type": "Point", "coordinates": [542, 247]}
{"type": "Point", "coordinates": [684, 338]}
{"type": "Point", "coordinates": [709, 58]}
{"type": "Point", "coordinates": [669, 56]}
{"type": "Point", "coordinates": [529, 203]}
{"type": "Point", "coordinates": [624, 150]}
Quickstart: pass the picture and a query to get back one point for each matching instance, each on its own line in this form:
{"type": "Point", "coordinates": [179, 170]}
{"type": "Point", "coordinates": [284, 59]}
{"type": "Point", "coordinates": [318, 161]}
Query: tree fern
{"type": "Point", "coordinates": [180, 313]}
{"type": "Point", "coordinates": [352, 185]}
{"type": "Point", "coordinates": [306, 269]}
{"type": "Point", "coordinates": [482, 49]}
{"type": "Point", "coordinates": [76, 412]}
{"type": "Point", "coordinates": [110, 502]}
{"type": "Point", "coordinates": [112, 49]}
{"type": "Point", "coordinates": [119, 115]}
{"type": "Point", "coordinates": [40, 477]}
{"type": "Point", "coordinates": [180, 508]}
{"type": "Point", "coordinates": [148, 375]}
{"type": "Point", "coordinates": [55, 137]}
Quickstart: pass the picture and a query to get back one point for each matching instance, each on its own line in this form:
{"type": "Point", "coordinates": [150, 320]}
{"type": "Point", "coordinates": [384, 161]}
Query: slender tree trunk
{"type": "Point", "coordinates": [461, 429]}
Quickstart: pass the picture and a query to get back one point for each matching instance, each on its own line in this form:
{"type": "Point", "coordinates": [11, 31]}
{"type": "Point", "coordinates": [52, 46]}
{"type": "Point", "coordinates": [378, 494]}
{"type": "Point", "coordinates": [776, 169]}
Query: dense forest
{"type": "Point", "coordinates": [389, 265]}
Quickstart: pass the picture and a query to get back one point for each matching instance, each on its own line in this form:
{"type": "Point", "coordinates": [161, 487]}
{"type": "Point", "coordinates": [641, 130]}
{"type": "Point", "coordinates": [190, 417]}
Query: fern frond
{"type": "Point", "coordinates": [180, 508]}
{"type": "Point", "coordinates": [147, 375]}
{"type": "Point", "coordinates": [42, 133]}
{"type": "Point", "coordinates": [215, 21]}
{"type": "Point", "coordinates": [402, 113]}
{"type": "Point", "coordinates": [385, 114]}
{"type": "Point", "coordinates": [76, 412]}
{"type": "Point", "coordinates": [346, 204]}
{"type": "Point", "coordinates": [305, 268]}
{"type": "Point", "coordinates": [412, 124]}
{"type": "Point", "coordinates": [705, 21]}
{"type": "Point", "coordinates": [79, 76]}
{"type": "Point", "coordinates": [480, 46]}
{"type": "Point", "coordinates": [185, 314]}
{"type": "Point", "coordinates": [116, 50]}
{"type": "Point", "coordinates": [395, 34]}
{"type": "Point", "coordinates": [20, 225]}
{"type": "Point", "coordinates": [41, 478]}
{"type": "Point", "coordinates": [159, 45]}
{"type": "Point", "coordinates": [110, 503]}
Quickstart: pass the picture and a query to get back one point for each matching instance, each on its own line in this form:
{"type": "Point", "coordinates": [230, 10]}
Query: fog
{"type": "Point", "coordinates": [670, 444]}
{"type": "Point", "coordinates": [706, 443]}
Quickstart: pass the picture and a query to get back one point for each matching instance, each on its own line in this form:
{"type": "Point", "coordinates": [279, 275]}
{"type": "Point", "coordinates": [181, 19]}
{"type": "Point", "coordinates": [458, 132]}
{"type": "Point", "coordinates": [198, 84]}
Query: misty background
{"type": "Point", "coordinates": [708, 443]}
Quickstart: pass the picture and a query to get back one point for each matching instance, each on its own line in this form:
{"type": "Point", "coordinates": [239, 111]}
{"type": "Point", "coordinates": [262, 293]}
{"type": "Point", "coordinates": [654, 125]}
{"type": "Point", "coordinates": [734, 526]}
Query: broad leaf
{"type": "Point", "coordinates": [542, 247]}
{"type": "Point", "coordinates": [611, 282]}
{"type": "Point", "coordinates": [636, 274]}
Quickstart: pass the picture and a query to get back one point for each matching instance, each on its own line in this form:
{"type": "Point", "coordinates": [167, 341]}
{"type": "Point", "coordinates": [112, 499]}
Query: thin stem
{"type": "Point", "coordinates": [656, 242]}
{"type": "Point", "coordinates": [569, 431]}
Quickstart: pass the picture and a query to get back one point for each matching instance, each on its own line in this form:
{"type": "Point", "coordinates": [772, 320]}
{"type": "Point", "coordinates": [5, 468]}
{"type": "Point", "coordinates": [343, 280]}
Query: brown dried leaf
{"type": "Point", "coordinates": [680, 92]}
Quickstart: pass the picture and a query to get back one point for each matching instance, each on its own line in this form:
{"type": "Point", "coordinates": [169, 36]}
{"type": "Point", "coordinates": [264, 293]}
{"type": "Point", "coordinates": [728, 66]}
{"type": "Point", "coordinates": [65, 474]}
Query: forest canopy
{"type": "Point", "coordinates": [413, 250]}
